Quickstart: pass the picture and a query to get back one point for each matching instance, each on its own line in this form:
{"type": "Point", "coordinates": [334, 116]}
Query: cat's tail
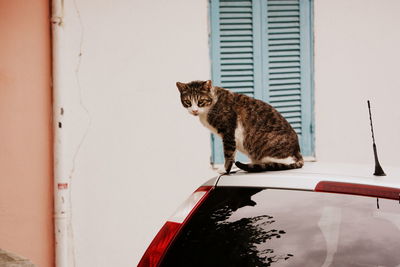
{"type": "Point", "coordinates": [271, 166]}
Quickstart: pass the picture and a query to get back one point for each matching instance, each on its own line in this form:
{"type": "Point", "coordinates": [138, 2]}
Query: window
{"type": "Point", "coordinates": [263, 48]}
{"type": "Point", "coordinates": [271, 227]}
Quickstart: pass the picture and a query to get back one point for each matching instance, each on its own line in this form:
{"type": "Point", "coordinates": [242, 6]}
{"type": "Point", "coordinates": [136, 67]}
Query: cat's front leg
{"type": "Point", "coordinates": [229, 151]}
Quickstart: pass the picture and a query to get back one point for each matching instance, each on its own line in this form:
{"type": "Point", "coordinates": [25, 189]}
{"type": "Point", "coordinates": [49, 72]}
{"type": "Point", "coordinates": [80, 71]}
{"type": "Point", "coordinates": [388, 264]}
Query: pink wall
{"type": "Point", "coordinates": [26, 202]}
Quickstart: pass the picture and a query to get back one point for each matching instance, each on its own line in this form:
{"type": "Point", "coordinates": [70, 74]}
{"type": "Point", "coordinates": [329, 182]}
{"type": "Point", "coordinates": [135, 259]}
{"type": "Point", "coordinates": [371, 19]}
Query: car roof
{"type": "Point", "coordinates": [310, 175]}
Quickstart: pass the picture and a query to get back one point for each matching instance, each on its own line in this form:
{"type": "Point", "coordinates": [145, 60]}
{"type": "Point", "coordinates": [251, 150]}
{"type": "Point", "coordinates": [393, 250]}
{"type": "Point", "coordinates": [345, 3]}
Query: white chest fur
{"type": "Point", "coordinates": [203, 120]}
{"type": "Point", "coordinates": [239, 137]}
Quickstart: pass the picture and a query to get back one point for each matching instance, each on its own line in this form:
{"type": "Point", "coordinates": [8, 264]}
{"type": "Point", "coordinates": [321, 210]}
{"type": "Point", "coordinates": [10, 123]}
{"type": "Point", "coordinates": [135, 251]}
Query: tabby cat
{"type": "Point", "coordinates": [249, 125]}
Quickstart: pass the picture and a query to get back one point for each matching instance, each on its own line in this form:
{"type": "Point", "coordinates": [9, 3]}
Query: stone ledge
{"type": "Point", "coordinates": [8, 259]}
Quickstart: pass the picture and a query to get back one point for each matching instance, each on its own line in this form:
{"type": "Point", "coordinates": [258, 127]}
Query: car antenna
{"type": "Point", "coordinates": [378, 169]}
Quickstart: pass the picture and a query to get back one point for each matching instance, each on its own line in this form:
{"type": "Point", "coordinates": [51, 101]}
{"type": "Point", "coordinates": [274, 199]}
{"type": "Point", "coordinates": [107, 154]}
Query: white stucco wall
{"type": "Point", "coordinates": [143, 154]}
{"type": "Point", "coordinates": [357, 58]}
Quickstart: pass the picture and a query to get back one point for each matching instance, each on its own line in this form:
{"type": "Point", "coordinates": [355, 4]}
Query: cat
{"type": "Point", "coordinates": [246, 124]}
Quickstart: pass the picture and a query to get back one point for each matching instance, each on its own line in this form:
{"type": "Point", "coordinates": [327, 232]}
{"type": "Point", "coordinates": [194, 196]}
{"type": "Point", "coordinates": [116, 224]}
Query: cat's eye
{"type": "Point", "coordinates": [203, 102]}
{"type": "Point", "coordinates": [187, 103]}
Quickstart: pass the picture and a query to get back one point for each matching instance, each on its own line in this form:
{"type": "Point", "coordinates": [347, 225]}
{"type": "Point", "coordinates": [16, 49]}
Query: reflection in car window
{"type": "Point", "coordinates": [270, 227]}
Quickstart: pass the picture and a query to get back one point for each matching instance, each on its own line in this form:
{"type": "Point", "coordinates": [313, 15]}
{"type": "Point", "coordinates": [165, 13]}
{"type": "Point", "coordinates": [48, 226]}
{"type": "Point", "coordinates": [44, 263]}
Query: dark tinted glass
{"type": "Point", "coordinates": [270, 227]}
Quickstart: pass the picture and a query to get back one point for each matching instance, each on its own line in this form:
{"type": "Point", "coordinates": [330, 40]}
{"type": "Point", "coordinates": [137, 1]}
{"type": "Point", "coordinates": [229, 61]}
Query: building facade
{"type": "Point", "coordinates": [134, 153]}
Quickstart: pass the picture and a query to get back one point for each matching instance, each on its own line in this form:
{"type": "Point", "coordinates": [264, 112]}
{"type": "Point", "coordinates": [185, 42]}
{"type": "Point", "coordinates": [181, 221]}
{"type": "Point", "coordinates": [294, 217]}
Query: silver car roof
{"type": "Point", "coordinates": [310, 175]}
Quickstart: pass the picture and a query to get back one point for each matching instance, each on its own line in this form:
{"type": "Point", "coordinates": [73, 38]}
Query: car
{"type": "Point", "coordinates": [320, 215]}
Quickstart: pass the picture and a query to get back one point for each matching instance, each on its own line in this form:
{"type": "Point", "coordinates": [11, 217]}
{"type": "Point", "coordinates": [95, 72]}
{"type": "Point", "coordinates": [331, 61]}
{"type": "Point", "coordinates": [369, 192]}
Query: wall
{"type": "Point", "coordinates": [134, 153]}
{"type": "Point", "coordinates": [26, 202]}
{"type": "Point", "coordinates": [356, 59]}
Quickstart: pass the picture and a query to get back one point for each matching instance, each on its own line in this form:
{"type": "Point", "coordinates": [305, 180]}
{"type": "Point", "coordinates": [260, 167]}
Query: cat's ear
{"type": "Point", "coordinates": [181, 86]}
{"type": "Point", "coordinates": [208, 85]}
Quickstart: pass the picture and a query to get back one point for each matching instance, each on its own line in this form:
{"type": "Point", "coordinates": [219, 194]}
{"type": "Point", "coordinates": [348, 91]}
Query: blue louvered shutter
{"type": "Point", "coordinates": [233, 53]}
{"type": "Point", "coordinates": [233, 45]}
{"type": "Point", "coordinates": [259, 48]}
{"type": "Point", "coordinates": [288, 66]}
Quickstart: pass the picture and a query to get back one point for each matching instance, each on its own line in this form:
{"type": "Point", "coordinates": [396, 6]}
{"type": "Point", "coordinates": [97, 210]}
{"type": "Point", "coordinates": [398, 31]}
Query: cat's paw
{"type": "Point", "coordinates": [220, 170]}
{"type": "Point", "coordinates": [228, 166]}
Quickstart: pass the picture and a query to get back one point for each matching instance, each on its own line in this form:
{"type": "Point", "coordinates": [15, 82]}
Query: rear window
{"type": "Point", "coordinates": [271, 227]}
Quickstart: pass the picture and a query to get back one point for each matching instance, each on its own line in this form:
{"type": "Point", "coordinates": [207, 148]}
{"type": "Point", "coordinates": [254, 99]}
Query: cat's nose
{"type": "Point", "coordinates": [195, 112]}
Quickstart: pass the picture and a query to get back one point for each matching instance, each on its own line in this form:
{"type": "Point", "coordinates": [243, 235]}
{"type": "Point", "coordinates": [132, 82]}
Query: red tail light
{"type": "Point", "coordinates": [358, 189]}
{"type": "Point", "coordinates": [160, 244]}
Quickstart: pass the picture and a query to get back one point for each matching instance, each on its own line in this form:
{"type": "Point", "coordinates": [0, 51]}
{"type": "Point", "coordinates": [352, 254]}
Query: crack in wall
{"type": "Point", "coordinates": [78, 81]}
{"type": "Point", "coordinates": [81, 142]}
